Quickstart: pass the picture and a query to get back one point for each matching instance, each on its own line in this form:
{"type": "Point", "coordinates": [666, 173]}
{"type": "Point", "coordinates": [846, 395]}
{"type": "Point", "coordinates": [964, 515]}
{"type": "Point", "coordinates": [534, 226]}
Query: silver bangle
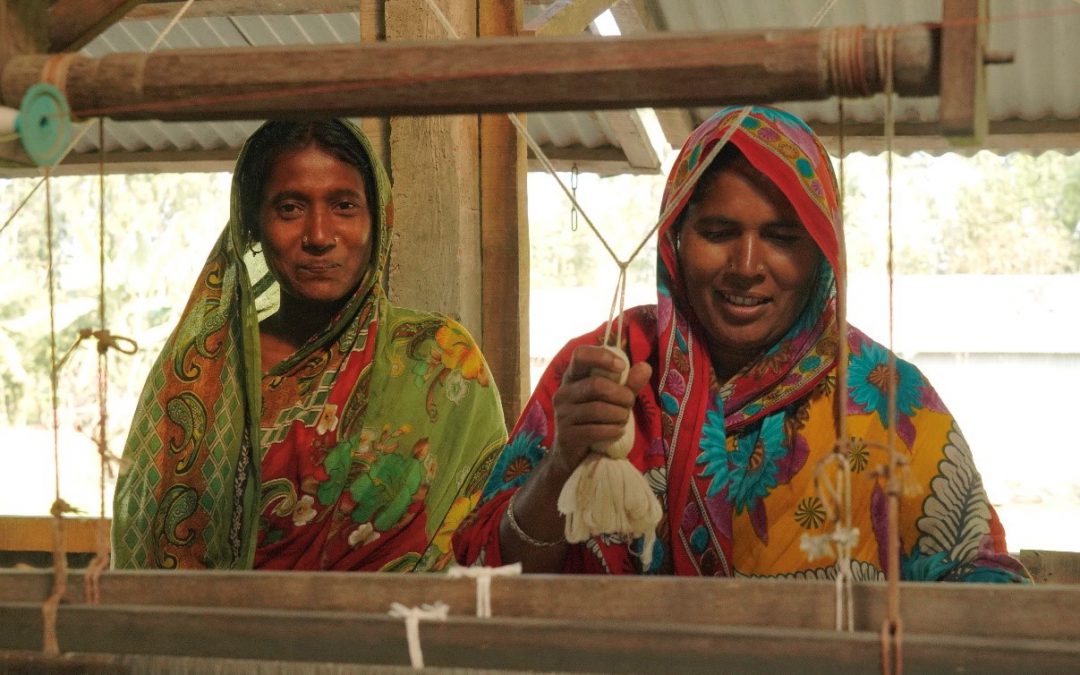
{"type": "Point", "coordinates": [521, 533]}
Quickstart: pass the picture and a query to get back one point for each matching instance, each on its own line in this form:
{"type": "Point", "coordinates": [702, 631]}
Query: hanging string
{"type": "Point", "coordinates": [70, 147]}
{"type": "Point", "coordinates": [49, 609]}
{"type": "Point", "coordinates": [573, 189]}
{"type": "Point", "coordinates": [620, 288]}
{"type": "Point", "coordinates": [892, 626]}
{"type": "Point", "coordinates": [825, 9]}
{"type": "Point", "coordinates": [169, 26]}
{"type": "Point", "coordinates": [100, 562]}
{"type": "Point", "coordinates": [412, 616]}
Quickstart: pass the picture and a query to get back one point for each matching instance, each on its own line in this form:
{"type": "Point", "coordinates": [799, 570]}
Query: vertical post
{"type": "Point", "coordinates": [23, 30]}
{"type": "Point", "coordinates": [963, 73]}
{"type": "Point", "coordinates": [373, 29]}
{"type": "Point", "coordinates": [505, 234]}
{"type": "Point", "coordinates": [436, 262]}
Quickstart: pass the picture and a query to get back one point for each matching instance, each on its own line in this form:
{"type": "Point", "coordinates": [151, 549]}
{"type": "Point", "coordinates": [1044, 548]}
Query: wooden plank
{"type": "Point", "coordinates": [35, 533]}
{"type": "Point", "coordinates": [962, 112]}
{"type": "Point", "coordinates": [481, 75]}
{"type": "Point", "coordinates": [504, 235]}
{"type": "Point", "coordinates": [202, 9]}
{"type": "Point", "coordinates": [636, 17]}
{"type": "Point", "coordinates": [23, 30]}
{"type": "Point", "coordinates": [515, 644]}
{"type": "Point", "coordinates": [74, 23]}
{"type": "Point", "coordinates": [1050, 612]}
{"type": "Point", "coordinates": [1052, 567]}
{"type": "Point", "coordinates": [634, 139]}
{"type": "Point", "coordinates": [567, 17]}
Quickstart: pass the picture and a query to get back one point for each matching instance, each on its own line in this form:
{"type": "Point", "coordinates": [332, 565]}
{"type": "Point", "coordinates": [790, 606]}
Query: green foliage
{"type": "Point", "coordinates": [987, 214]}
{"type": "Point", "coordinates": [159, 229]}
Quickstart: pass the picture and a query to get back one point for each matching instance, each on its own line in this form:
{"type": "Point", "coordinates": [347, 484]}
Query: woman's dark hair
{"type": "Point", "coordinates": [276, 138]}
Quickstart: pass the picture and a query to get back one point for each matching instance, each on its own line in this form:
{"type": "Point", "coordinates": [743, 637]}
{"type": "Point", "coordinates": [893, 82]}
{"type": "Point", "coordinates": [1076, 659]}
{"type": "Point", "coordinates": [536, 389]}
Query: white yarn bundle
{"type": "Point", "coordinates": [606, 494]}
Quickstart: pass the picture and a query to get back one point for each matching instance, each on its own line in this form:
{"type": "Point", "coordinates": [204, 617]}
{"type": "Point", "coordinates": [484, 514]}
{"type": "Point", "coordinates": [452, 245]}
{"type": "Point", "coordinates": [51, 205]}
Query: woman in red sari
{"type": "Point", "coordinates": [734, 397]}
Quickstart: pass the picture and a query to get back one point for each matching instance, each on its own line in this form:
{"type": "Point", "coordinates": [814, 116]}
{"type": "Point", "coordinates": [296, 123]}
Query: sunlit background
{"type": "Point", "coordinates": [987, 252]}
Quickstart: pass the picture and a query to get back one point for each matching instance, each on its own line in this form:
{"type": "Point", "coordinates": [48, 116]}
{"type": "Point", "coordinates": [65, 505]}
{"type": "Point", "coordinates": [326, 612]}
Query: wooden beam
{"type": "Point", "coordinates": [504, 234]}
{"type": "Point", "coordinates": [633, 138]}
{"type": "Point", "coordinates": [1052, 567]}
{"type": "Point", "coordinates": [23, 30]}
{"type": "Point", "coordinates": [1048, 612]}
{"type": "Point", "coordinates": [962, 111]}
{"type": "Point", "coordinates": [74, 23]}
{"type": "Point", "coordinates": [544, 622]}
{"type": "Point", "coordinates": [481, 75]}
{"type": "Point", "coordinates": [567, 17]}
{"type": "Point", "coordinates": [166, 9]}
{"type": "Point", "coordinates": [511, 644]}
{"type": "Point", "coordinates": [636, 17]}
{"type": "Point", "coordinates": [35, 533]}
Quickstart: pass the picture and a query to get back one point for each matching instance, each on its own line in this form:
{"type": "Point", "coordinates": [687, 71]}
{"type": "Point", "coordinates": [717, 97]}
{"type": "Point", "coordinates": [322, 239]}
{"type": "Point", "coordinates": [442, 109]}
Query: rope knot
{"type": "Point", "coordinates": [60, 507]}
{"type": "Point", "coordinates": [107, 340]}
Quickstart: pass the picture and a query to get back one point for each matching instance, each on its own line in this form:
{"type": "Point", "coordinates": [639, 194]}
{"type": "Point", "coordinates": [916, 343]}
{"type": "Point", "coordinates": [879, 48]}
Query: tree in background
{"type": "Point", "coordinates": [159, 230]}
{"type": "Point", "coordinates": [986, 214]}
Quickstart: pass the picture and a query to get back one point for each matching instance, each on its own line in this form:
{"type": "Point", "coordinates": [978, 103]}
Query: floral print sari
{"type": "Point", "coordinates": [361, 451]}
{"type": "Point", "coordinates": [733, 463]}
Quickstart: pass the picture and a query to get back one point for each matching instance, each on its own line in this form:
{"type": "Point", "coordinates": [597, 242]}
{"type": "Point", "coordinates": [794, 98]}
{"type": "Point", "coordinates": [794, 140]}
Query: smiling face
{"type": "Point", "coordinates": [315, 226]}
{"type": "Point", "coordinates": [747, 262]}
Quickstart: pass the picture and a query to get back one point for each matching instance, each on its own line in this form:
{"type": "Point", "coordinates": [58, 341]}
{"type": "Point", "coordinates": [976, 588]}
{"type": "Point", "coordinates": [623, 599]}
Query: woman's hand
{"type": "Point", "coordinates": [590, 408]}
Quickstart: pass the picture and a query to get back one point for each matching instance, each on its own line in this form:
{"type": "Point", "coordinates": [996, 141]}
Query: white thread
{"type": "Point", "coordinates": [825, 10]}
{"type": "Point", "coordinates": [412, 616]}
{"type": "Point", "coordinates": [483, 577]}
{"type": "Point", "coordinates": [169, 26]}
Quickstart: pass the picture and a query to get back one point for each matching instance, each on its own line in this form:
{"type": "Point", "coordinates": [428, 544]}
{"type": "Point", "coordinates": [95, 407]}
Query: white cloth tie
{"type": "Point", "coordinates": [412, 616]}
{"type": "Point", "coordinates": [483, 577]}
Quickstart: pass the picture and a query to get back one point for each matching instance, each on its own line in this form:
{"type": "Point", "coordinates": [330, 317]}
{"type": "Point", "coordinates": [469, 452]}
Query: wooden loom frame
{"type": "Point", "coordinates": [544, 621]}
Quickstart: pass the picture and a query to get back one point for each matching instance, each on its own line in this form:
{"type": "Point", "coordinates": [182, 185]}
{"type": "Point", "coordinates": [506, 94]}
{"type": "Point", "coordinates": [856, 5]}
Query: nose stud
{"type": "Point", "coordinates": [304, 241]}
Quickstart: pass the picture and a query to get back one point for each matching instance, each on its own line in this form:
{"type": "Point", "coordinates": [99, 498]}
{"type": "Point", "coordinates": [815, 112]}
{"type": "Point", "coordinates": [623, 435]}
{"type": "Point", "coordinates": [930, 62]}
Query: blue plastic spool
{"type": "Point", "coordinates": [44, 124]}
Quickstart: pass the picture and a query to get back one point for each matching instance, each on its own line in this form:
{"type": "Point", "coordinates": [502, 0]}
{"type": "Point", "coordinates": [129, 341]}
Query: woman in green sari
{"type": "Point", "coordinates": [295, 418]}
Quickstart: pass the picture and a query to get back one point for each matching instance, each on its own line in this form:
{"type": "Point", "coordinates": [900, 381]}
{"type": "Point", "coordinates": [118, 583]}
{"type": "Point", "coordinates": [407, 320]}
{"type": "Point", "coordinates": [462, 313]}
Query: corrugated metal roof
{"type": "Point", "coordinates": [1041, 84]}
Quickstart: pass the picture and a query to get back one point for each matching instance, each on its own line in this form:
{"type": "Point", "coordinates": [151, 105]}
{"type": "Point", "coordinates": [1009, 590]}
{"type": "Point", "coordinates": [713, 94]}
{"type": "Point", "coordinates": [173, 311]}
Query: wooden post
{"type": "Point", "coordinates": [505, 235]}
{"type": "Point", "coordinates": [373, 29]}
{"type": "Point", "coordinates": [963, 74]}
{"type": "Point", "coordinates": [436, 257]}
{"type": "Point", "coordinates": [23, 30]}
{"type": "Point", "coordinates": [74, 23]}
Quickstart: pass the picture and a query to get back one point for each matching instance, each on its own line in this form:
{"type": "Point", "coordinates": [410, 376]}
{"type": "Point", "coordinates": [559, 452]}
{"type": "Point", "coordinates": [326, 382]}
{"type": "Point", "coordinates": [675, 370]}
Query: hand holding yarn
{"type": "Point", "coordinates": [606, 494]}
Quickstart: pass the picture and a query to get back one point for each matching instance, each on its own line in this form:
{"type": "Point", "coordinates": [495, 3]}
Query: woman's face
{"type": "Point", "coordinates": [747, 263]}
{"type": "Point", "coordinates": [315, 223]}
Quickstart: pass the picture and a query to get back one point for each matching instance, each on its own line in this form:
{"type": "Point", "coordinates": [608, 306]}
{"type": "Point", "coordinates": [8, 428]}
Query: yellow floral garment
{"type": "Point", "coordinates": [735, 465]}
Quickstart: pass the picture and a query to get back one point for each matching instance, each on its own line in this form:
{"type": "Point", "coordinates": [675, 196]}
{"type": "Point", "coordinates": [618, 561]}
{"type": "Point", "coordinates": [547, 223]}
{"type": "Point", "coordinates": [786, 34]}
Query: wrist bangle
{"type": "Point", "coordinates": [521, 533]}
